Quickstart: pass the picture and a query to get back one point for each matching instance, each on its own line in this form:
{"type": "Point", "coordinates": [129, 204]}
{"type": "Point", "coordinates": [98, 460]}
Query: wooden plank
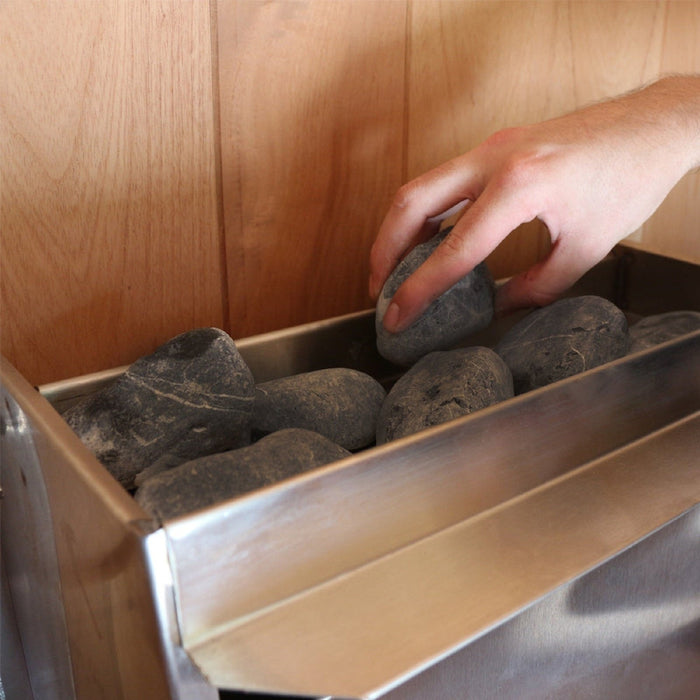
{"type": "Point", "coordinates": [477, 67]}
{"type": "Point", "coordinates": [111, 240]}
{"type": "Point", "coordinates": [311, 97]}
{"type": "Point", "coordinates": [110, 235]}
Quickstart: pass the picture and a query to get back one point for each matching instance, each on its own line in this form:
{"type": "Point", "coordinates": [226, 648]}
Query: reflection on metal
{"type": "Point", "coordinates": [29, 558]}
{"type": "Point", "coordinates": [73, 546]}
{"type": "Point", "coordinates": [449, 533]}
{"type": "Point", "coordinates": [544, 547]}
{"type": "Point", "coordinates": [628, 629]}
{"type": "Point", "coordinates": [184, 679]}
{"type": "Point", "coordinates": [13, 666]}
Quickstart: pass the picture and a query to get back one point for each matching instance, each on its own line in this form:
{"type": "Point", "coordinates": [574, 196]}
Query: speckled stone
{"type": "Point", "coordinates": [463, 309]}
{"type": "Point", "coordinates": [653, 330]}
{"type": "Point", "coordinates": [340, 403]}
{"type": "Point", "coordinates": [193, 396]}
{"type": "Point", "coordinates": [567, 337]}
{"type": "Point", "coordinates": [442, 386]}
{"type": "Point", "coordinates": [209, 480]}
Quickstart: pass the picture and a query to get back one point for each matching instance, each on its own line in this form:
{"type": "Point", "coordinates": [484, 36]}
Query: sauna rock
{"type": "Point", "coordinates": [205, 481]}
{"type": "Point", "coordinates": [463, 309]}
{"type": "Point", "coordinates": [567, 337]}
{"type": "Point", "coordinates": [442, 386]}
{"type": "Point", "coordinates": [193, 396]}
{"type": "Point", "coordinates": [340, 403]}
{"type": "Point", "coordinates": [653, 330]}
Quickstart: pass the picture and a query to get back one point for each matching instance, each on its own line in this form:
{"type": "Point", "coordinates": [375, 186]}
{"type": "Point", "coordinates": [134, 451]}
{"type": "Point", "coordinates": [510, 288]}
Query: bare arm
{"type": "Point", "coordinates": [592, 176]}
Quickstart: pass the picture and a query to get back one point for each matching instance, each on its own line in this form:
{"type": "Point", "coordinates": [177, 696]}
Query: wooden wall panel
{"type": "Point", "coordinates": [110, 238]}
{"type": "Point", "coordinates": [312, 114]}
{"type": "Point", "coordinates": [476, 67]}
{"type": "Point", "coordinates": [327, 106]}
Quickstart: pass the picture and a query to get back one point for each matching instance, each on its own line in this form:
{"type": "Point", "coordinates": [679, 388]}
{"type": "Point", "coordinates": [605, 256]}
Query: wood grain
{"type": "Point", "coordinates": [312, 131]}
{"type": "Point", "coordinates": [111, 128]}
{"type": "Point", "coordinates": [110, 235]}
{"type": "Point", "coordinates": [478, 67]}
{"type": "Point", "coordinates": [326, 107]}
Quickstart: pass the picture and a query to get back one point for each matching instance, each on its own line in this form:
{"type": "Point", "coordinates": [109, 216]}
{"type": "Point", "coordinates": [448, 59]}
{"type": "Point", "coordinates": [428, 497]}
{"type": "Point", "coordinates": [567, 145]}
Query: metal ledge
{"type": "Point", "coordinates": [363, 633]}
{"type": "Point", "coordinates": [314, 585]}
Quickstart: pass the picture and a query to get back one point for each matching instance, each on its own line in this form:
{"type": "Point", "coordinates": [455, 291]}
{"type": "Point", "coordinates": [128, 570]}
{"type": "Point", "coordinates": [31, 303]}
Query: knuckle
{"type": "Point", "coordinates": [452, 246]}
{"type": "Point", "coordinates": [505, 137]}
{"type": "Point", "coordinates": [406, 196]}
{"type": "Point", "coordinates": [519, 171]}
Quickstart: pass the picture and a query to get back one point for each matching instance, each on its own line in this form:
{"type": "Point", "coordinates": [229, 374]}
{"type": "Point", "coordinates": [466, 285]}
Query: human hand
{"type": "Point", "coordinates": [592, 177]}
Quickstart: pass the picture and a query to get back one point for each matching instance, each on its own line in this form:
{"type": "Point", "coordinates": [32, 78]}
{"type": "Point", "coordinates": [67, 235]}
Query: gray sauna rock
{"type": "Point", "coordinates": [340, 403]}
{"type": "Point", "coordinates": [463, 309]}
{"type": "Point", "coordinates": [191, 397]}
{"type": "Point", "coordinates": [442, 386]}
{"type": "Point", "coordinates": [653, 330]}
{"type": "Point", "coordinates": [567, 337]}
{"type": "Point", "coordinates": [209, 480]}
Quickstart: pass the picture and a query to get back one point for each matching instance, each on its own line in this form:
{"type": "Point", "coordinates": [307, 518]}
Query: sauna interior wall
{"type": "Point", "coordinates": [168, 164]}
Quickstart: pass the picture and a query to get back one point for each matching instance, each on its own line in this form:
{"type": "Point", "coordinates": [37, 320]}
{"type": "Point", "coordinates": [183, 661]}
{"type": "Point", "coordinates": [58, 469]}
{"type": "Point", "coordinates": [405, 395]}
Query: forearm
{"type": "Point", "coordinates": [683, 96]}
{"type": "Point", "coordinates": [668, 110]}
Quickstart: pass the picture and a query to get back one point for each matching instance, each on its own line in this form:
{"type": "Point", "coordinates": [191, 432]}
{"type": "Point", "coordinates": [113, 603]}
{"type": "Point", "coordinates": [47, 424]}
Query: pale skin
{"type": "Point", "coordinates": [592, 177]}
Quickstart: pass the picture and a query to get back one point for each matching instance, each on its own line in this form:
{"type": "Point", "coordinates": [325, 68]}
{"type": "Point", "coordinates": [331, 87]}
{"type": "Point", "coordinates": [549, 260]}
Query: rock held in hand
{"type": "Point", "coordinates": [340, 403]}
{"type": "Point", "coordinates": [567, 337]}
{"type": "Point", "coordinates": [442, 386]}
{"type": "Point", "coordinates": [209, 480]}
{"type": "Point", "coordinates": [653, 330]}
{"type": "Point", "coordinates": [193, 396]}
{"type": "Point", "coordinates": [463, 309]}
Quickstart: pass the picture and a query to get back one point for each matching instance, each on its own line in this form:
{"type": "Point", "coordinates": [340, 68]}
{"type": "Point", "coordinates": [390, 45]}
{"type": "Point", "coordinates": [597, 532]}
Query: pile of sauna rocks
{"type": "Point", "coordinates": [188, 426]}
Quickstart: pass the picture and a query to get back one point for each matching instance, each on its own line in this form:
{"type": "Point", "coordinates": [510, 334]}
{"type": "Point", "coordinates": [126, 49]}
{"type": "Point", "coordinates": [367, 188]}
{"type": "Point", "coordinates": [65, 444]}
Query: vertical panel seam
{"type": "Point", "coordinates": [406, 91]}
{"type": "Point", "coordinates": [216, 119]}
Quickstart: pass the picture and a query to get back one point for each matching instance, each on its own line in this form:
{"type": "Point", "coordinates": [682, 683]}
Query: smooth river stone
{"type": "Point", "coordinates": [209, 480]}
{"type": "Point", "coordinates": [442, 386]}
{"type": "Point", "coordinates": [653, 330]}
{"type": "Point", "coordinates": [463, 309]}
{"type": "Point", "coordinates": [340, 403]}
{"type": "Point", "coordinates": [193, 396]}
{"type": "Point", "coordinates": [567, 337]}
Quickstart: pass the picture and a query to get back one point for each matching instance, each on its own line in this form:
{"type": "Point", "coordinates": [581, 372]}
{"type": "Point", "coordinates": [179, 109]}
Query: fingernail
{"type": "Point", "coordinates": [391, 318]}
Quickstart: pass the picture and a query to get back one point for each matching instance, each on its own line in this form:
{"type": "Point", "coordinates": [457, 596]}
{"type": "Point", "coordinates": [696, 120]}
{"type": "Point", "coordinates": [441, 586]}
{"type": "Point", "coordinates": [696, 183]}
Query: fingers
{"type": "Point", "coordinates": [416, 212]}
{"type": "Point", "coordinates": [545, 281]}
{"type": "Point", "coordinates": [482, 227]}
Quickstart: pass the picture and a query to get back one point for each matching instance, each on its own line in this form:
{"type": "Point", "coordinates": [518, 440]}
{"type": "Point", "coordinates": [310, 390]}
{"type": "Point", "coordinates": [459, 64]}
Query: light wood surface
{"type": "Point", "coordinates": [312, 100]}
{"type": "Point", "coordinates": [171, 164]}
{"type": "Point", "coordinates": [427, 80]}
{"type": "Point", "coordinates": [110, 233]}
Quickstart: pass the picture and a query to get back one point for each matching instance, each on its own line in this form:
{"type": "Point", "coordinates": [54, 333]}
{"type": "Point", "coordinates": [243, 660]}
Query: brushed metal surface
{"type": "Point", "coordinates": [369, 630]}
{"type": "Point", "coordinates": [288, 542]}
{"type": "Point", "coordinates": [14, 676]}
{"type": "Point", "coordinates": [30, 562]}
{"type": "Point", "coordinates": [629, 630]}
{"type": "Point", "coordinates": [351, 580]}
{"type": "Point", "coordinates": [185, 680]}
{"type": "Point", "coordinates": [73, 546]}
